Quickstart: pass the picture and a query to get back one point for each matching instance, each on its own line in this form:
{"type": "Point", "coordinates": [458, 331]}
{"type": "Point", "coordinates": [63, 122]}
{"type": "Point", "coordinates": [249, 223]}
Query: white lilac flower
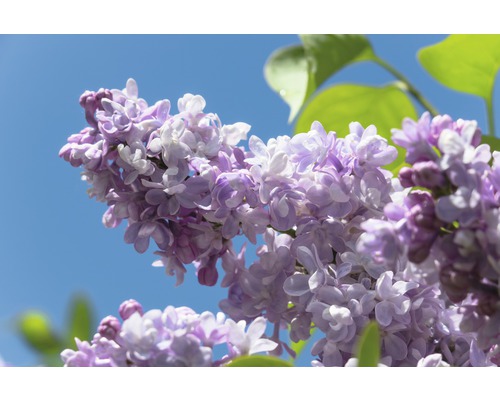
{"type": "Point", "coordinates": [433, 360]}
{"type": "Point", "coordinates": [174, 337]}
{"type": "Point", "coordinates": [311, 149]}
{"type": "Point", "coordinates": [369, 147]}
{"type": "Point", "coordinates": [135, 160]}
{"type": "Point", "coordinates": [250, 342]}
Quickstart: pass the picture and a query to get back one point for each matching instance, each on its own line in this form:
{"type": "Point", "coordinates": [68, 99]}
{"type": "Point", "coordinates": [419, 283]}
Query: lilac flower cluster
{"type": "Point", "coordinates": [176, 179]}
{"type": "Point", "coordinates": [174, 337]}
{"type": "Point", "coordinates": [331, 257]}
{"type": "Point", "coordinates": [313, 275]}
{"type": "Point", "coordinates": [448, 227]}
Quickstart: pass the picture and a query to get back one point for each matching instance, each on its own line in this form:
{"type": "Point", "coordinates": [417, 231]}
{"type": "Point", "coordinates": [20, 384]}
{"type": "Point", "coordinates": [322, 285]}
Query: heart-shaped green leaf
{"type": "Point", "coordinates": [35, 329]}
{"type": "Point", "coordinates": [337, 106]}
{"type": "Point", "coordinates": [287, 72]}
{"type": "Point", "coordinates": [296, 72]}
{"type": "Point", "coordinates": [80, 320]}
{"type": "Point", "coordinates": [369, 346]}
{"type": "Point", "coordinates": [259, 361]}
{"type": "Point", "coordinates": [330, 53]}
{"type": "Point", "coordinates": [467, 63]}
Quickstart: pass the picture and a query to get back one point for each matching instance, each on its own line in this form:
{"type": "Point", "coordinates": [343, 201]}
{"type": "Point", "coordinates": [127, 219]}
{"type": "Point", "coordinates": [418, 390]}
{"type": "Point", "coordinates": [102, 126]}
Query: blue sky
{"type": "Point", "coordinates": [52, 242]}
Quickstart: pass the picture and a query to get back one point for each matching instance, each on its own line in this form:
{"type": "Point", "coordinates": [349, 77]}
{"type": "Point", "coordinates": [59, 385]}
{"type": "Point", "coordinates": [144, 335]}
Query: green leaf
{"type": "Point", "coordinates": [52, 360]}
{"type": "Point", "coordinates": [287, 72]}
{"type": "Point", "coordinates": [330, 53]}
{"type": "Point", "coordinates": [494, 142]}
{"type": "Point", "coordinates": [467, 63]}
{"type": "Point", "coordinates": [259, 361]}
{"type": "Point", "coordinates": [80, 320]}
{"type": "Point", "coordinates": [35, 329]}
{"type": "Point", "coordinates": [296, 72]}
{"type": "Point", "coordinates": [337, 106]}
{"type": "Point", "coordinates": [369, 346]}
{"type": "Point", "coordinates": [298, 347]}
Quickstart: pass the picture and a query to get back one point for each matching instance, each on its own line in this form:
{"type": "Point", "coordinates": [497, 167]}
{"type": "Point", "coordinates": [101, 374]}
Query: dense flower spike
{"type": "Point", "coordinates": [343, 241]}
{"type": "Point", "coordinates": [167, 175]}
{"type": "Point", "coordinates": [449, 229]}
{"type": "Point", "coordinates": [174, 337]}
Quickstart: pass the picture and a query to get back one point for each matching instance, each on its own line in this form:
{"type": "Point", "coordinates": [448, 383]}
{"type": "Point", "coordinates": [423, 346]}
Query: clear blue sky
{"type": "Point", "coordinates": [52, 242]}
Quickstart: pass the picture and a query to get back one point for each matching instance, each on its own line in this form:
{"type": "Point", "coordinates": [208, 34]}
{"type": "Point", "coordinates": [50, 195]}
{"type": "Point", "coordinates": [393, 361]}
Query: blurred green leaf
{"type": "Point", "coordinates": [394, 167]}
{"type": "Point", "coordinates": [287, 72]}
{"type": "Point", "coordinates": [467, 63]}
{"type": "Point", "coordinates": [35, 329]}
{"type": "Point", "coordinates": [296, 72]}
{"type": "Point", "coordinates": [80, 320]}
{"type": "Point", "coordinates": [52, 360]}
{"type": "Point", "coordinates": [337, 106]}
{"type": "Point", "coordinates": [259, 361]}
{"type": "Point", "coordinates": [369, 346]}
{"type": "Point", "coordinates": [494, 142]}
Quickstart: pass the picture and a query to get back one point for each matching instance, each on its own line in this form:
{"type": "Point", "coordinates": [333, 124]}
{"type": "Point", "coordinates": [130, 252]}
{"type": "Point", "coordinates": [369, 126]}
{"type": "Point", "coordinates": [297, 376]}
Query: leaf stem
{"type": "Point", "coordinates": [411, 89]}
{"type": "Point", "coordinates": [491, 116]}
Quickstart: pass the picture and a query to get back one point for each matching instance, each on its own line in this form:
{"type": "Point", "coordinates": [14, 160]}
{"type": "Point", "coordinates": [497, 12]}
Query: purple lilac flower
{"type": "Point", "coordinates": [344, 243]}
{"type": "Point", "coordinates": [370, 148]}
{"type": "Point", "coordinates": [451, 227]}
{"type": "Point", "coordinates": [174, 337]}
{"type": "Point", "coordinates": [341, 307]}
{"type": "Point", "coordinates": [166, 174]}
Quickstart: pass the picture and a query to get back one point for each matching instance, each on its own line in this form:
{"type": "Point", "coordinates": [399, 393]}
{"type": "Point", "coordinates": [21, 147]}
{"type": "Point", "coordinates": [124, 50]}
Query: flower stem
{"type": "Point", "coordinates": [410, 88]}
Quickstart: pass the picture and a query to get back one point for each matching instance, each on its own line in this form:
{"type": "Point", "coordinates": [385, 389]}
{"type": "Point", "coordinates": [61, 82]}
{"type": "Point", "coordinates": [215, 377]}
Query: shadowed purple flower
{"type": "Point", "coordinates": [416, 138]}
{"type": "Point", "coordinates": [139, 233]}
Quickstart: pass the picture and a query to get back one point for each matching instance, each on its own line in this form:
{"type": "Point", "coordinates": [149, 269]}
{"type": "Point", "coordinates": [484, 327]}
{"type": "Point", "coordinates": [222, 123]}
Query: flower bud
{"type": "Point", "coordinates": [405, 177]}
{"type": "Point", "coordinates": [129, 307]}
{"type": "Point", "coordinates": [109, 327]}
{"type": "Point", "coordinates": [428, 175]}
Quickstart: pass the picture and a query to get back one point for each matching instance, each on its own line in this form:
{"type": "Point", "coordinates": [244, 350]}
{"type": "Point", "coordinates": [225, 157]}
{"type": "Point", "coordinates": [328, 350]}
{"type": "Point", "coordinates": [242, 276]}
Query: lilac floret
{"type": "Point", "coordinates": [128, 308]}
{"type": "Point", "coordinates": [109, 327]}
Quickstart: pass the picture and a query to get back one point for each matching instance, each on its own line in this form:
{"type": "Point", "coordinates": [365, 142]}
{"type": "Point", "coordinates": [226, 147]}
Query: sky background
{"type": "Point", "coordinates": [52, 241]}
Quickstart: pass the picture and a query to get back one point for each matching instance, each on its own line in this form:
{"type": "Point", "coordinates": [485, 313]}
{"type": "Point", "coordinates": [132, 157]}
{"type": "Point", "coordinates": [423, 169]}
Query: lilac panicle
{"type": "Point", "coordinates": [343, 241]}
{"type": "Point", "coordinates": [163, 172]}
